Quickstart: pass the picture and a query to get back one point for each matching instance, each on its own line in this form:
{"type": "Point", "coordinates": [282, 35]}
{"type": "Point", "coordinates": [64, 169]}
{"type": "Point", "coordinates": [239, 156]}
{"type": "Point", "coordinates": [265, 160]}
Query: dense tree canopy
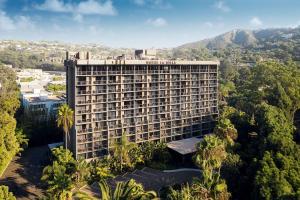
{"type": "Point", "coordinates": [5, 194]}
{"type": "Point", "coordinates": [265, 102]}
{"type": "Point", "coordinates": [10, 139]}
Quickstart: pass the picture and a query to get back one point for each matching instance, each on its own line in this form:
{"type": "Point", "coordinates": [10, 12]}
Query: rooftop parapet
{"type": "Point", "coordinates": [85, 58]}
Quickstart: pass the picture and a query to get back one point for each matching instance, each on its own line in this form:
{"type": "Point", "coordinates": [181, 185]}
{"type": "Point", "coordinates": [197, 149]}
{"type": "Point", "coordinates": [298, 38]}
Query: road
{"type": "Point", "coordinates": [24, 172]}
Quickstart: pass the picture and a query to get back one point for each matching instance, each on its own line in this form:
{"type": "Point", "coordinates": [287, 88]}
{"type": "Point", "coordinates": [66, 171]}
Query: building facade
{"type": "Point", "coordinates": [41, 107]}
{"type": "Point", "coordinates": [148, 100]}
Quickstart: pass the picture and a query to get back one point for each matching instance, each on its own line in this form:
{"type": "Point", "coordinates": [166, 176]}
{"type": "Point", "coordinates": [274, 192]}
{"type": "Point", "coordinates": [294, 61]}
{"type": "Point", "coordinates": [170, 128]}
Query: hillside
{"type": "Point", "coordinates": [237, 46]}
{"type": "Point", "coordinates": [246, 38]}
{"type": "Point", "coordinates": [250, 45]}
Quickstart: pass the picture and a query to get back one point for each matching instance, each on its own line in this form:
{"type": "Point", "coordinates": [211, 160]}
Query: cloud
{"type": "Point", "coordinates": [214, 25]}
{"type": "Point", "coordinates": [19, 23]}
{"type": "Point", "coordinates": [157, 4]}
{"type": "Point", "coordinates": [24, 22]}
{"type": "Point", "coordinates": [6, 23]}
{"type": "Point", "coordinates": [94, 30]}
{"type": "Point", "coordinates": [139, 2]}
{"type": "Point", "coordinates": [158, 22]}
{"type": "Point", "coordinates": [255, 21]}
{"type": "Point", "coordinates": [220, 5]}
{"type": "Point", "coordinates": [78, 18]}
{"type": "Point", "coordinates": [208, 24]}
{"type": "Point", "coordinates": [54, 6]}
{"type": "Point", "coordinates": [86, 7]}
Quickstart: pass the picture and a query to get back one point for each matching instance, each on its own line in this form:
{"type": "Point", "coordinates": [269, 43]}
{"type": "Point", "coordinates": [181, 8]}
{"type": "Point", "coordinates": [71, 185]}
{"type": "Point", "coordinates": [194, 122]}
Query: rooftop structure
{"type": "Point", "coordinates": [148, 100]}
{"type": "Point", "coordinates": [185, 146]}
{"type": "Point", "coordinates": [143, 54]}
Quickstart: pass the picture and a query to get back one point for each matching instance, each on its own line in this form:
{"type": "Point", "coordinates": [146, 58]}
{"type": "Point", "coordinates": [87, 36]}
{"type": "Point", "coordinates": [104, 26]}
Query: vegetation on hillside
{"type": "Point", "coordinates": [55, 87]}
{"type": "Point", "coordinates": [265, 99]}
{"type": "Point", "coordinates": [11, 139]}
{"type": "Point", "coordinates": [28, 79]}
{"type": "Point", "coordinates": [5, 194]}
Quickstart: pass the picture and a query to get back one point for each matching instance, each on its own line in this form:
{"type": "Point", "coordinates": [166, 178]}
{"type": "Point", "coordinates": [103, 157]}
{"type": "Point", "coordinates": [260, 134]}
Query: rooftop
{"type": "Point", "coordinates": [37, 99]}
{"type": "Point", "coordinates": [142, 57]}
{"type": "Point", "coordinates": [185, 146]}
{"type": "Point", "coordinates": [144, 62]}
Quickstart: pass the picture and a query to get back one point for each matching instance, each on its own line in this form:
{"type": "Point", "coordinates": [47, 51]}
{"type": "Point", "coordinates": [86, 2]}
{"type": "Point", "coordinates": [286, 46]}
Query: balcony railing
{"type": "Point", "coordinates": [86, 73]}
{"type": "Point", "coordinates": [83, 111]}
{"type": "Point", "coordinates": [83, 92]}
{"type": "Point", "coordinates": [83, 120]}
{"type": "Point", "coordinates": [83, 102]}
{"type": "Point", "coordinates": [99, 73]}
{"type": "Point", "coordinates": [99, 110]}
{"type": "Point", "coordinates": [100, 82]}
{"type": "Point", "coordinates": [99, 91]}
{"type": "Point", "coordinates": [98, 119]}
{"type": "Point", "coordinates": [85, 149]}
{"type": "Point", "coordinates": [85, 130]}
{"type": "Point", "coordinates": [84, 140]}
{"type": "Point", "coordinates": [83, 83]}
{"type": "Point", "coordinates": [98, 100]}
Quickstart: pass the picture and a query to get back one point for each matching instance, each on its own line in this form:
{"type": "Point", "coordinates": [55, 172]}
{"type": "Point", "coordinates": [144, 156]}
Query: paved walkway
{"type": "Point", "coordinates": [151, 179]}
{"type": "Point", "coordinates": [23, 173]}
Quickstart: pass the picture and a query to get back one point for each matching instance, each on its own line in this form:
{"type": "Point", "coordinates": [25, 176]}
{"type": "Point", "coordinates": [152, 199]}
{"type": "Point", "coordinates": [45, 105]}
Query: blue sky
{"type": "Point", "coordinates": [140, 23]}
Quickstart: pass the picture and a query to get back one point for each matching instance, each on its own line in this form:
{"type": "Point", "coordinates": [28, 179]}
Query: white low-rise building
{"type": "Point", "coordinates": [37, 102]}
{"type": "Point", "coordinates": [41, 105]}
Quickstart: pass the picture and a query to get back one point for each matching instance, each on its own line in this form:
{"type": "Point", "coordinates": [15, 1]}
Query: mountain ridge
{"type": "Point", "coordinates": [242, 38]}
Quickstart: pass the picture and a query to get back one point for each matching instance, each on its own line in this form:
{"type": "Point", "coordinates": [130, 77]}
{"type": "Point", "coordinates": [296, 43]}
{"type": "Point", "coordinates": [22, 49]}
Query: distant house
{"type": "Point", "coordinates": [38, 103]}
{"type": "Point", "coordinates": [41, 106]}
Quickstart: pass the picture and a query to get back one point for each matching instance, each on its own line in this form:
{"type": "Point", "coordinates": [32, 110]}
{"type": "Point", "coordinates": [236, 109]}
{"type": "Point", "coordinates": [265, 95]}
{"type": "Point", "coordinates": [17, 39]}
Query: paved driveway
{"type": "Point", "coordinates": [23, 173]}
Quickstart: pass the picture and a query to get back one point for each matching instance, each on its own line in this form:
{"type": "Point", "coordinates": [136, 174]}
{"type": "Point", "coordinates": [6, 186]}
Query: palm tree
{"type": "Point", "coordinates": [121, 151]}
{"type": "Point", "coordinates": [129, 190]}
{"type": "Point", "coordinates": [211, 153]}
{"type": "Point", "coordinates": [126, 190]}
{"type": "Point", "coordinates": [59, 182]}
{"type": "Point", "coordinates": [82, 171]}
{"type": "Point", "coordinates": [65, 119]}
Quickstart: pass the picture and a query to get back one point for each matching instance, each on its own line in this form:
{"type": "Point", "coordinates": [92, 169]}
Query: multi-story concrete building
{"type": "Point", "coordinates": [148, 100]}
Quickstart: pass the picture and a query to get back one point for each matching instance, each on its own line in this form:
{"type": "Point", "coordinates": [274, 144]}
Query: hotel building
{"type": "Point", "coordinates": [148, 100]}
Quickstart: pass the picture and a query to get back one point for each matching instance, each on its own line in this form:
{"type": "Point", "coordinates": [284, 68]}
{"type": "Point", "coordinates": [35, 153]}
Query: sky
{"type": "Point", "coordinates": [140, 23]}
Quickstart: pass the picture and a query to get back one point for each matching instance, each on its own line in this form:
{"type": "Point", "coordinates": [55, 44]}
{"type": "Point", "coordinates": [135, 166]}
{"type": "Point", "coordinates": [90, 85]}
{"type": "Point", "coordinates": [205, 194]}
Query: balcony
{"type": "Point", "coordinates": [85, 130]}
{"type": "Point", "coordinates": [84, 140]}
{"type": "Point", "coordinates": [99, 91]}
{"type": "Point", "coordinates": [80, 150]}
{"type": "Point", "coordinates": [83, 92]}
{"type": "Point", "coordinates": [83, 102]}
{"type": "Point", "coordinates": [97, 73]}
{"type": "Point", "coordinates": [101, 138]}
{"type": "Point", "coordinates": [112, 108]}
{"type": "Point", "coordinates": [98, 119]}
{"type": "Point", "coordinates": [128, 89]}
{"type": "Point", "coordinates": [84, 121]}
{"type": "Point", "coordinates": [99, 110]}
{"type": "Point", "coordinates": [82, 83]}
{"type": "Point", "coordinates": [128, 81]}
{"type": "Point", "coordinates": [84, 73]}
{"type": "Point", "coordinates": [112, 90]}
{"type": "Point", "coordinates": [83, 111]}
{"type": "Point", "coordinates": [128, 98]}
{"type": "Point", "coordinates": [99, 82]}
{"type": "Point", "coordinates": [103, 127]}
{"type": "Point", "coordinates": [97, 129]}
{"type": "Point", "coordinates": [99, 100]}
